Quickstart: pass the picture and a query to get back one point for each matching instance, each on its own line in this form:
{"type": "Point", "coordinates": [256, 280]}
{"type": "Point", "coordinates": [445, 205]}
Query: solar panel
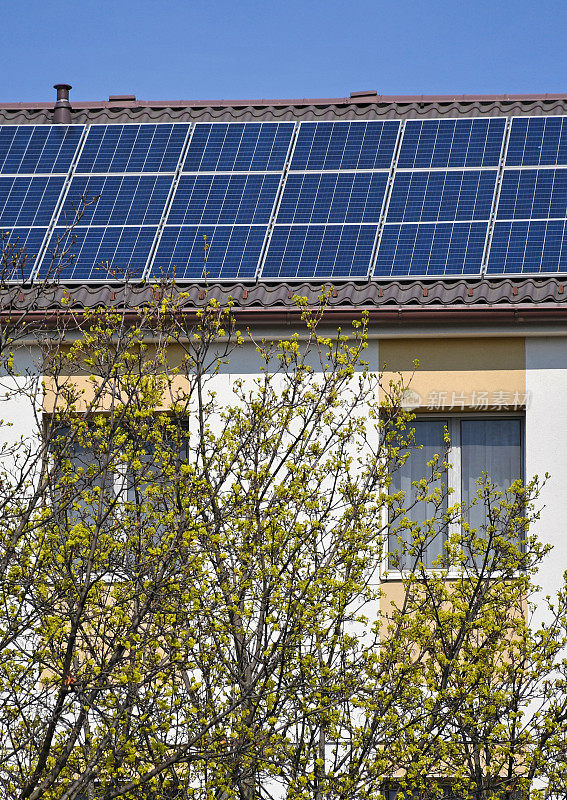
{"type": "Point", "coordinates": [345, 145]}
{"type": "Point", "coordinates": [238, 147]}
{"type": "Point", "coordinates": [225, 199]}
{"type": "Point", "coordinates": [536, 141]}
{"type": "Point", "coordinates": [14, 266]}
{"type": "Point", "coordinates": [528, 247]}
{"type": "Point", "coordinates": [116, 199]}
{"type": "Point", "coordinates": [132, 148]}
{"type": "Point", "coordinates": [442, 196]}
{"type": "Point", "coordinates": [98, 254]}
{"type": "Point", "coordinates": [320, 216]}
{"type": "Point", "coordinates": [431, 249]}
{"type": "Point", "coordinates": [533, 194]}
{"type": "Point", "coordinates": [28, 201]}
{"type": "Point", "coordinates": [42, 149]}
{"type": "Point", "coordinates": [443, 143]}
{"type": "Point", "coordinates": [233, 252]}
{"type": "Point", "coordinates": [319, 251]}
{"type": "Point", "coordinates": [333, 197]}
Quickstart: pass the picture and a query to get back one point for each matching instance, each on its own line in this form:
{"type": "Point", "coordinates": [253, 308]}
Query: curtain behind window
{"type": "Point", "coordinates": [493, 446]}
{"type": "Point", "coordinates": [89, 469]}
{"type": "Point", "coordinates": [431, 435]}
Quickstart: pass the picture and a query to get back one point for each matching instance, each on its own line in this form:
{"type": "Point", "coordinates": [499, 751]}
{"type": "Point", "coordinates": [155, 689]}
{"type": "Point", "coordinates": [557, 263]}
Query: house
{"type": "Point", "coordinates": [443, 218]}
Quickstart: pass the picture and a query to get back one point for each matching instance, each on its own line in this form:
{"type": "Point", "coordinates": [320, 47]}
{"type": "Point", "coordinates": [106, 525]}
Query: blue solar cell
{"type": "Point", "coordinates": [19, 248]}
{"type": "Point", "coordinates": [233, 252]}
{"type": "Point", "coordinates": [331, 203]}
{"type": "Point", "coordinates": [97, 253]}
{"type": "Point", "coordinates": [333, 197]}
{"type": "Point", "coordinates": [345, 145]}
{"type": "Point", "coordinates": [224, 199]}
{"type": "Point", "coordinates": [132, 148]}
{"type": "Point", "coordinates": [238, 147]}
{"type": "Point", "coordinates": [319, 251]}
{"type": "Point", "coordinates": [442, 143]}
{"type": "Point", "coordinates": [43, 149]}
{"type": "Point", "coordinates": [116, 200]}
{"type": "Point", "coordinates": [537, 140]}
{"type": "Point", "coordinates": [528, 247]}
{"type": "Point", "coordinates": [29, 201]}
{"type": "Point", "coordinates": [435, 196]}
{"type": "Point", "coordinates": [533, 193]}
{"type": "Point", "coordinates": [431, 249]}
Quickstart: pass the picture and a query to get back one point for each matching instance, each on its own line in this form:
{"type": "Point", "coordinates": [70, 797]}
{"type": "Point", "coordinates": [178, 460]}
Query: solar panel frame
{"type": "Point", "coordinates": [533, 193]}
{"type": "Point", "coordinates": [222, 241]}
{"type": "Point", "coordinates": [29, 201]}
{"type": "Point", "coordinates": [410, 236]}
{"type": "Point", "coordinates": [299, 241]}
{"type": "Point", "coordinates": [123, 199]}
{"type": "Point", "coordinates": [332, 159]}
{"type": "Point", "coordinates": [22, 235]}
{"type": "Point", "coordinates": [441, 195]}
{"type": "Point", "coordinates": [106, 162]}
{"type": "Point", "coordinates": [354, 197]}
{"type": "Point", "coordinates": [516, 150]}
{"type": "Point", "coordinates": [226, 160]}
{"type": "Point", "coordinates": [234, 198]}
{"type": "Point", "coordinates": [34, 157]}
{"type": "Point", "coordinates": [442, 152]}
{"type": "Point", "coordinates": [537, 239]}
{"type": "Point", "coordinates": [104, 242]}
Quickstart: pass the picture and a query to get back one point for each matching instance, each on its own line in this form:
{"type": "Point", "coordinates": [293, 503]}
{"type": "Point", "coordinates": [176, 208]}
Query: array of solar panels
{"type": "Point", "coordinates": [286, 200]}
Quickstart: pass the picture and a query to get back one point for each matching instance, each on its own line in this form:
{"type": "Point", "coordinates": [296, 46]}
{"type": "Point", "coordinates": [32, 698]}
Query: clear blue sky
{"type": "Point", "coordinates": [213, 49]}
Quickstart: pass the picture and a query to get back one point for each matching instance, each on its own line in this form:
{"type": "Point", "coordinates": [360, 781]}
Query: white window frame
{"type": "Point", "coordinates": [454, 480]}
{"type": "Point", "coordinates": [118, 485]}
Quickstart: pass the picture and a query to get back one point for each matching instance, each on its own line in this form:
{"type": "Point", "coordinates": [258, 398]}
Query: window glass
{"type": "Point", "coordinates": [430, 434]}
{"type": "Point", "coordinates": [89, 468]}
{"type": "Point", "coordinates": [493, 446]}
{"type": "Point", "coordinates": [154, 459]}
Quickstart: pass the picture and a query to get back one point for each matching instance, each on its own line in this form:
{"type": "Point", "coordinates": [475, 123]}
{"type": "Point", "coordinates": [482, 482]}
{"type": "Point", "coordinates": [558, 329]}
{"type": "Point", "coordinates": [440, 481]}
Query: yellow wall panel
{"type": "Point", "coordinates": [459, 373]}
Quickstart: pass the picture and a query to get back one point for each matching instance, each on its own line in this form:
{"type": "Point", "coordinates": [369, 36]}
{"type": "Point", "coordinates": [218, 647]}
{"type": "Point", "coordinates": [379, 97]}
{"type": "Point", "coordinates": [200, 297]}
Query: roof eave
{"type": "Point", "coordinates": [520, 314]}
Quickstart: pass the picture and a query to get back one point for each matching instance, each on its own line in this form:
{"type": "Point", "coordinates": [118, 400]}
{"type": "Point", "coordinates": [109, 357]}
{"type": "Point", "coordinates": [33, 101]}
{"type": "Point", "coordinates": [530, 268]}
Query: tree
{"type": "Point", "coordinates": [190, 604]}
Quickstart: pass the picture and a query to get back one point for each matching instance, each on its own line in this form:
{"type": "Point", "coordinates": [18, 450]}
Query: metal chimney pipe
{"type": "Point", "coordinates": [62, 113]}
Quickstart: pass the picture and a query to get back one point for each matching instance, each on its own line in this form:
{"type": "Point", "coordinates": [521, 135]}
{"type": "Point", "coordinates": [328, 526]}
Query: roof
{"type": "Point", "coordinates": [504, 299]}
{"type": "Point", "coordinates": [439, 302]}
{"type": "Point", "coordinates": [360, 105]}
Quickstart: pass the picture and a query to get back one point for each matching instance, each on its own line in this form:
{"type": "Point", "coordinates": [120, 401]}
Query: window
{"type": "Point", "coordinates": [88, 460]}
{"type": "Point", "coordinates": [82, 474]}
{"type": "Point", "coordinates": [157, 457]}
{"type": "Point", "coordinates": [491, 445]}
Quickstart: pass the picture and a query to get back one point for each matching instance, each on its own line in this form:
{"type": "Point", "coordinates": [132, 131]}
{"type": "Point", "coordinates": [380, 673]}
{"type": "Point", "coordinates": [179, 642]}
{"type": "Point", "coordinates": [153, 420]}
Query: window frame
{"type": "Point", "coordinates": [118, 484]}
{"type": "Point", "coordinates": [454, 478]}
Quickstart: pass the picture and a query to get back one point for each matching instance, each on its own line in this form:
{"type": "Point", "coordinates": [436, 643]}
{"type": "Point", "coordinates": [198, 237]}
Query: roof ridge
{"type": "Point", "coordinates": [378, 99]}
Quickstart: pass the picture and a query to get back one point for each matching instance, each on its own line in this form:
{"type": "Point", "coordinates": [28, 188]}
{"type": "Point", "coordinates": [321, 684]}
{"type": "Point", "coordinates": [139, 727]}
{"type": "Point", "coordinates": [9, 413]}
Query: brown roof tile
{"type": "Point", "coordinates": [279, 296]}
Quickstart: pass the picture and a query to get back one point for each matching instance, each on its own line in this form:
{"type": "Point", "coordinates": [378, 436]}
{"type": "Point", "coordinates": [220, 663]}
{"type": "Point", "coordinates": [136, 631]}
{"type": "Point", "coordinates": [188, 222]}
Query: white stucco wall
{"type": "Point", "coordinates": [20, 395]}
{"type": "Point", "coordinates": [546, 447]}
